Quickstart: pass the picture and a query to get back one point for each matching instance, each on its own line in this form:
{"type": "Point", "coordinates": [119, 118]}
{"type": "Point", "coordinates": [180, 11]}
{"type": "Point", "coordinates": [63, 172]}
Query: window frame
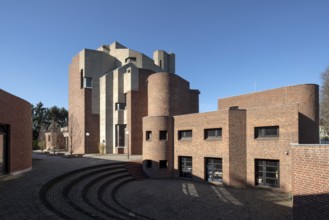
{"type": "Point", "coordinates": [260, 132]}
{"type": "Point", "coordinates": [148, 135]}
{"type": "Point", "coordinates": [183, 160]}
{"type": "Point", "coordinates": [120, 106]}
{"type": "Point", "coordinates": [216, 137]}
{"type": "Point", "coordinates": [265, 171]}
{"type": "Point", "coordinates": [161, 135]}
{"type": "Point", "coordinates": [87, 82]}
{"type": "Point", "coordinates": [163, 164]}
{"type": "Point", "coordinates": [216, 164]}
{"type": "Point", "coordinates": [148, 164]}
{"type": "Point", "coordinates": [182, 137]}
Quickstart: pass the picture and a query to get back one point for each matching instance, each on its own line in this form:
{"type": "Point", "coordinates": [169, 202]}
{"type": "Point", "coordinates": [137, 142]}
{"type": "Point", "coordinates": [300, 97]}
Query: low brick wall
{"type": "Point", "coordinates": [310, 181]}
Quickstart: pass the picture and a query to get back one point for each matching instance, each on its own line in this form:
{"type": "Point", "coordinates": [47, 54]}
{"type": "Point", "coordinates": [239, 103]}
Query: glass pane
{"type": "Point", "coordinates": [271, 169]}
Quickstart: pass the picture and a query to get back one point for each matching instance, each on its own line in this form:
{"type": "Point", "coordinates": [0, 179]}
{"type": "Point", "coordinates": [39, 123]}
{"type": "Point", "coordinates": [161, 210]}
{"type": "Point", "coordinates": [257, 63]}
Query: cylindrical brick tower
{"type": "Point", "coordinates": [158, 128]}
{"type": "Point", "coordinates": [168, 95]}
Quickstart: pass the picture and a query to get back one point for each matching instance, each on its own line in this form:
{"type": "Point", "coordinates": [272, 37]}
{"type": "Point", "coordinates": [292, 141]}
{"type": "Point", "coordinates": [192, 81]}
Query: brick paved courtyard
{"type": "Point", "coordinates": [146, 199]}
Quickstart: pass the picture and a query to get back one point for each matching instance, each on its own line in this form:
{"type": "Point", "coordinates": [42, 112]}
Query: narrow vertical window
{"type": "Point", "coordinates": [120, 135]}
{"type": "Point", "coordinates": [81, 78]}
{"type": "Point", "coordinates": [185, 167]}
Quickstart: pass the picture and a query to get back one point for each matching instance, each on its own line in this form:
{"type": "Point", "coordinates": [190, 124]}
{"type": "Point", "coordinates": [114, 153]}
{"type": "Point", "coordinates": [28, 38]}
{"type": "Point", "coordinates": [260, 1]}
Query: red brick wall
{"type": "Point", "coordinates": [169, 94]}
{"type": "Point", "coordinates": [17, 113]}
{"type": "Point", "coordinates": [237, 147]}
{"type": "Point", "coordinates": [306, 97]}
{"type": "Point", "coordinates": [284, 116]}
{"type": "Point", "coordinates": [310, 181]}
{"type": "Point", "coordinates": [76, 107]}
{"type": "Point", "coordinates": [197, 147]}
{"type": "Point", "coordinates": [137, 109]}
{"type": "Point", "coordinates": [91, 125]}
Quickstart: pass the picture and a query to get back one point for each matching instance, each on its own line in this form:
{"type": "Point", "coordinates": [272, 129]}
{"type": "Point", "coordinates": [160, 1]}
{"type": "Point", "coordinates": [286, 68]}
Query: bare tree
{"type": "Point", "coordinates": [73, 133]}
{"type": "Point", "coordinates": [42, 138]}
{"type": "Point", "coordinates": [324, 103]}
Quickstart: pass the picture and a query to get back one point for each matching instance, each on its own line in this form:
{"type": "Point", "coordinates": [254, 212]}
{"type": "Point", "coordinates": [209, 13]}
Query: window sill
{"type": "Point", "coordinates": [267, 138]}
{"type": "Point", "coordinates": [185, 139]}
{"type": "Point", "coordinates": [213, 139]}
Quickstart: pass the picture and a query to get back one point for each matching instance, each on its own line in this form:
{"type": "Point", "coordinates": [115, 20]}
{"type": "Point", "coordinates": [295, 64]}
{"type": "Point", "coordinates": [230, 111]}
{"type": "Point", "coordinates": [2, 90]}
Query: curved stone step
{"type": "Point", "coordinates": [104, 194]}
{"type": "Point", "coordinates": [51, 193]}
{"type": "Point", "coordinates": [72, 192]}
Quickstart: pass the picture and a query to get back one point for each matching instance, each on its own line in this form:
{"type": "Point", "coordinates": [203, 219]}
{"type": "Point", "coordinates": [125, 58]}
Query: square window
{"type": "Point", "coordinates": [163, 135]}
{"type": "Point", "coordinates": [87, 82]}
{"type": "Point", "coordinates": [163, 164]}
{"type": "Point", "coordinates": [213, 133]}
{"type": "Point", "coordinates": [148, 135]}
{"type": "Point", "coordinates": [185, 135]}
{"type": "Point", "coordinates": [267, 132]}
{"type": "Point", "coordinates": [120, 106]}
{"type": "Point", "coordinates": [148, 163]}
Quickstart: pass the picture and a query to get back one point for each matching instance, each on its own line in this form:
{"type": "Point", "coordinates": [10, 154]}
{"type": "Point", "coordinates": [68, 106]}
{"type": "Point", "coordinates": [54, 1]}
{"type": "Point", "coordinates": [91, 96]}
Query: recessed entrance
{"type": "Point", "coordinates": [4, 148]}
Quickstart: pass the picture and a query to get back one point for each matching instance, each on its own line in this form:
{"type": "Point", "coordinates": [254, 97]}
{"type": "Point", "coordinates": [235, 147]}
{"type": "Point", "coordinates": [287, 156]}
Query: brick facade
{"type": "Point", "coordinates": [289, 110]}
{"type": "Point", "coordinates": [16, 114]}
{"type": "Point", "coordinates": [310, 181]}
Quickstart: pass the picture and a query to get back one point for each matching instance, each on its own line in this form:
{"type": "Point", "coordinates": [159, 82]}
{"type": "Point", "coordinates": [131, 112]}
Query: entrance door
{"type": "Point", "coordinates": [120, 135]}
{"type": "Point", "coordinates": [267, 173]}
{"type": "Point", "coordinates": [214, 170]}
{"type": "Point", "coordinates": [3, 149]}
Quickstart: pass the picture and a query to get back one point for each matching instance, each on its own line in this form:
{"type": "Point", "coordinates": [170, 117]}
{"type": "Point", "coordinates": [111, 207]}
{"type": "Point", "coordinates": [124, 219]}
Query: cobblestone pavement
{"type": "Point", "coordinates": [181, 199]}
{"type": "Point", "coordinates": [19, 195]}
{"type": "Point", "coordinates": [157, 199]}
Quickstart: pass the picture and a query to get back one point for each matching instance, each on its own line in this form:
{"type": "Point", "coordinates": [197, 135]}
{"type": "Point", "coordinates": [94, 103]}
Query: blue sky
{"type": "Point", "coordinates": [224, 48]}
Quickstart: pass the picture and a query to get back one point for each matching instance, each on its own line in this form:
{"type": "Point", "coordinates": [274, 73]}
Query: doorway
{"type": "Point", "coordinates": [4, 149]}
{"type": "Point", "coordinates": [214, 170]}
{"type": "Point", "coordinates": [267, 173]}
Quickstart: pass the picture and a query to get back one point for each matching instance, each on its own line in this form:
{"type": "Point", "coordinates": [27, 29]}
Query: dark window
{"type": "Point", "coordinates": [185, 167]}
{"type": "Point", "coordinates": [267, 132]}
{"type": "Point", "coordinates": [214, 170]}
{"type": "Point", "coordinates": [120, 106]}
{"type": "Point", "coordinates": [4, 149]}
{"type": "Point", "coordinates": [81, 78]}
{"type": "Point", "coordinates": [185, 135]}
{"type": "Point", "coordinates": [163, 135]}
{"type": "Point", "coordinates": [48, 138]}
{"type": "Point", "coordinates": [213, 133]}
{"type": "Point", "coordinates": [87, 82]}
{"type": "Point", "coordinates": [234, 107]}
{"type": "Point", "coordinates": [161, 63]}
{"type": "Point", "coordinates": [267, 173]}
{"type": "Point", "coordinates": [120, 135]}
{"type": "Point", "coordinates": [163, 164]}
{"type": "Point", "coordinates": [148, 135]}
{"type": "Point", "coordinates": [130, 59]}
{"type": "Point", "coordinates": [148, 163]}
